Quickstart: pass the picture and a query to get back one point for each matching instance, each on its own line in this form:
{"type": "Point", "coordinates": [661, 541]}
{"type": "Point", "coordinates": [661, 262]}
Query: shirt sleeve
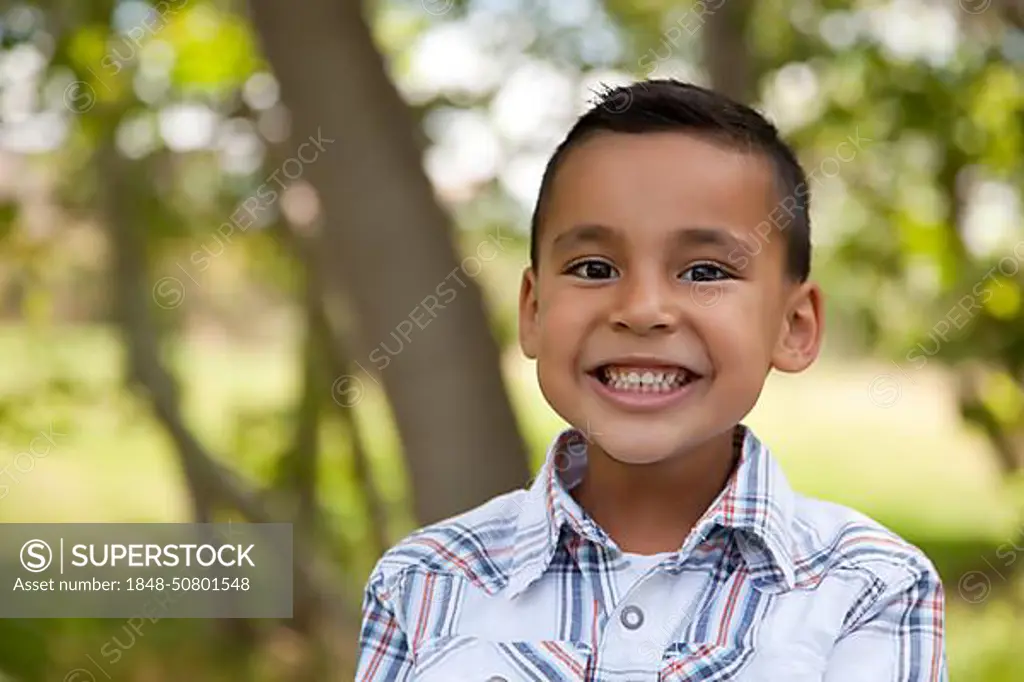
{"type": "Point", "coordinates": [384, 654]}
{"type": "Point", "coordinates": [900, 638]}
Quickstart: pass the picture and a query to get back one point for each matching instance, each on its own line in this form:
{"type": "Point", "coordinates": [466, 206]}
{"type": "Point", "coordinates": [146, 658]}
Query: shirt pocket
{"type": "Point", "coordinates": [733, 663]}
{"type": "Point", "coordinates": [468, 658]}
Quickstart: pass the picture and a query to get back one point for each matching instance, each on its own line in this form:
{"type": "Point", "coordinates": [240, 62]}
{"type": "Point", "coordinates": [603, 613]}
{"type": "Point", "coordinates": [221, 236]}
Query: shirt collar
{"type": "Point", "coordinates": [756, 502]}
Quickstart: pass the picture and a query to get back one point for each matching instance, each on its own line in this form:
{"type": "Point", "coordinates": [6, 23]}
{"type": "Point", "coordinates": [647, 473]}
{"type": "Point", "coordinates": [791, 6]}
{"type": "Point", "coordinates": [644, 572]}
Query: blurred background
{"type": "Point", "coordinates": [259, 261]}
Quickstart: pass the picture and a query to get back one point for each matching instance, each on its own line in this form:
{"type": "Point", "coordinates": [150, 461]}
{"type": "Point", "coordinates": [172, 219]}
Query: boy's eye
{"type": "Point", "coordinates": [592, 269]}
{"type": "Point", "coordinates": [705, 272]}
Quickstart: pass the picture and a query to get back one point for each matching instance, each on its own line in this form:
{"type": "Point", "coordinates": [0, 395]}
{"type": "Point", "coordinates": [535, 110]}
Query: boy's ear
{"type": "Point", "coordinates": [528, 313]}
{"type": "Point", "coordinates": [801, 332]}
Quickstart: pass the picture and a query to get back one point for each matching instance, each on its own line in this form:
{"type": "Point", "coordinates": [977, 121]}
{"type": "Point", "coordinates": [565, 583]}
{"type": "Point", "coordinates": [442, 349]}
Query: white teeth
{"type": "Point", "coordinates": [645, 381]}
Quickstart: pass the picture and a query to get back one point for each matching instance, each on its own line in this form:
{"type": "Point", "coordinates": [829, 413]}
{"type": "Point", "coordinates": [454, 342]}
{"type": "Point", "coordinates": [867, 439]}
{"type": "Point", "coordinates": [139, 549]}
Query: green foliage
{"type": "Point", "coordinates": [214, 50]}
{"type": "Point", "coordinates": [24, 652]}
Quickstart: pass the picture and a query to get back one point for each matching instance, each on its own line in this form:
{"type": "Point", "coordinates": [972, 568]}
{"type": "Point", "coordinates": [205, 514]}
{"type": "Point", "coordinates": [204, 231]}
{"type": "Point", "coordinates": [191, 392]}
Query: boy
{"type": "Point", "coordinates": [660, 540]}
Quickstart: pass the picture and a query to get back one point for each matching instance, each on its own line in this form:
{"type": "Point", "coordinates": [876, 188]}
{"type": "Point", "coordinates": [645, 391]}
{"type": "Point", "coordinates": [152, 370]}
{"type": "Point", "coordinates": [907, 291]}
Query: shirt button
{"type": "Point", "coordinates": [632, 617]}
{"type": "Point", "coordinates": [496, 678]}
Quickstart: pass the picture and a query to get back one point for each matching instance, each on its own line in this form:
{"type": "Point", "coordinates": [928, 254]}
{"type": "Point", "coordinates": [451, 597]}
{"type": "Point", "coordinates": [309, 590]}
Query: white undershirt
{"type": "Point", "coordinates": [639, 564]}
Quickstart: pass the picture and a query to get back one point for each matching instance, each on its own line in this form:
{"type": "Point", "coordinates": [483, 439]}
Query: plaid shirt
{"type": "Point", "coordinates": [769, 585]}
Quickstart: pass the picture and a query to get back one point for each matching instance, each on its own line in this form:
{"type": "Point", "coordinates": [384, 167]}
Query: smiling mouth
{"type": "Point", "coordinates": [654, 379]}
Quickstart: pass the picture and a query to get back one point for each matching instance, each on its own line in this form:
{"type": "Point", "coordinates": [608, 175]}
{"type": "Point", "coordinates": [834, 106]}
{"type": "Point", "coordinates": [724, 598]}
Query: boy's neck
{"type": "Point", "coordinates": [651, 508]}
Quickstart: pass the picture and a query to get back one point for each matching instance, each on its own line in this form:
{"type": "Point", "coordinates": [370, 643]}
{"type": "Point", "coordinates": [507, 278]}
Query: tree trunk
{"type": "Point", "coordinates": [386, 247]}
{"type": "Point", "coordinates": [376, 509]}
{"type": "Point", "coordinates": [299, 465]}
{"type": "Point", "coordinates": [727, 56]}
{"type": "Point", "coordinates": [131, 311]}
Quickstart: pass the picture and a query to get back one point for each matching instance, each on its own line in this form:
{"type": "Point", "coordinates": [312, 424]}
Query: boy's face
{"type": "Point", "coordinates": [657, 309]}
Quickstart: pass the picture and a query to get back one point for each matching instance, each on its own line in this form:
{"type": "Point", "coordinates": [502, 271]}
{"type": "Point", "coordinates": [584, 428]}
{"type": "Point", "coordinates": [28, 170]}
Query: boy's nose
{"type": "Point", "coordinates": [644, 307]}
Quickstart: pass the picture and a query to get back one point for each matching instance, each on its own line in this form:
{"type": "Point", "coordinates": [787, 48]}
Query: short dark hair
{"type": "Point", "coordinates": [666, 105]}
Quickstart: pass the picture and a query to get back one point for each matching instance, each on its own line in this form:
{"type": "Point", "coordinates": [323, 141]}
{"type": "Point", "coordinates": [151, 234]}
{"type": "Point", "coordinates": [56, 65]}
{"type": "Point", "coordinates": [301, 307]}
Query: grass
{"type": "Point", "coordinates": [912, 466]}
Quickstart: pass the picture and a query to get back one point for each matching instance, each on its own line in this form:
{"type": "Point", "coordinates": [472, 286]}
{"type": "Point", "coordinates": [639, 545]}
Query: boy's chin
{"type": "Point", "coordinates": [643, 446]}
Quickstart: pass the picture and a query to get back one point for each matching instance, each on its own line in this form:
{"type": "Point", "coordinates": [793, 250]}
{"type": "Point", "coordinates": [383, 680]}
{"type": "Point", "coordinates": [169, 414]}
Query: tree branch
{"type": "Point", "coordinates": [209, 481]}
{"type": "Point", "coordinates": [331, 342]}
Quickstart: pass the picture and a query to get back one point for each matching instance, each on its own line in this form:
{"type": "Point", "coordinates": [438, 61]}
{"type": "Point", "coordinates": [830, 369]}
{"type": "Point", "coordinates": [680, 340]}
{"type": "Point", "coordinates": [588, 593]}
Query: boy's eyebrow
{"type": "Point", "coordinates": [701, 236]}
{"type": "Point", "coordinates": [587, 232]}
